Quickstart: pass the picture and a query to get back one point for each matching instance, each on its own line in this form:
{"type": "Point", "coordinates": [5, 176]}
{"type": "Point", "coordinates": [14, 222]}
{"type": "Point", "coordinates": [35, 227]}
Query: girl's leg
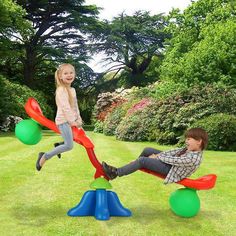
{"type": "Point", "coordinates": [67, 135]}
{"type": "Point", "coordinates": [153, 164]}
{"type": "Point", "coordinates": [57, 144]}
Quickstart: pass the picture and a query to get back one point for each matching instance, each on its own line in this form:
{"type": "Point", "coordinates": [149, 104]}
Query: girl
{"type": "Point", "coordinates": [175, 164]}
{"type": "Point", "coordinates": [68, 114]}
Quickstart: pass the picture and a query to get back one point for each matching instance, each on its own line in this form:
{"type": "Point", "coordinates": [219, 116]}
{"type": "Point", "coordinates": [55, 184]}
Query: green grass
{"type": "Point", "coordinates": [36, 203]}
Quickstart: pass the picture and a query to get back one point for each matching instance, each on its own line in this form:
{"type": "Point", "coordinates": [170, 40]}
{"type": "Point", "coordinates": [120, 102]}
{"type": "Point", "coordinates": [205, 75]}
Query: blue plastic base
{"type": "Point", "coordinates": [101, 204]}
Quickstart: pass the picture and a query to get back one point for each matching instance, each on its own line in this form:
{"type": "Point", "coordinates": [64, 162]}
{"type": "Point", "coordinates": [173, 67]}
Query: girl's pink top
{"type": "Point", "coordinates": [66, 112]}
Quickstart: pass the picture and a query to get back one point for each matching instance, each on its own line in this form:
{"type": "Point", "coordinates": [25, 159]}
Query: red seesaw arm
{"type": "Point", "coordinates": [34, 111]}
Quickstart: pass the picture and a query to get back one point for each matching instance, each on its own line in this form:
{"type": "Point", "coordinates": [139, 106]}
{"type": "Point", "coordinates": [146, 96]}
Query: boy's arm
{"type": "Point", "coordinates": [170, 152]}
{"type": "Point", "coordinates": [187, 159]}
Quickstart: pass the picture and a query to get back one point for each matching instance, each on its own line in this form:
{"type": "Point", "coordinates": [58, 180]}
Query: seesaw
{"type": "Point", "coordinates": [103, 204]}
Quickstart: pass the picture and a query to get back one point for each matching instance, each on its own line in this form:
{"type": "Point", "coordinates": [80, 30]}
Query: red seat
{"type": "Point", "coordinates": [203, 183]}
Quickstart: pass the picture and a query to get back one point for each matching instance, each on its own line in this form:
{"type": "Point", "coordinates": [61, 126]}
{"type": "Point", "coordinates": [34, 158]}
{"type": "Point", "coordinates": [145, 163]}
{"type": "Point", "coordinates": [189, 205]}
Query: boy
{"type": "Point", "coordinates": [175, 164]}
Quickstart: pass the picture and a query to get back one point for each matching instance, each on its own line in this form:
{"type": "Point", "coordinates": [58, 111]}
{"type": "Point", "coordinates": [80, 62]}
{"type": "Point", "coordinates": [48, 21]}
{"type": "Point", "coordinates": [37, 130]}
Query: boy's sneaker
{"type": "Point", "coordinates": [55, 145]}
{"type": "Point", "coordinates": [110, 171]}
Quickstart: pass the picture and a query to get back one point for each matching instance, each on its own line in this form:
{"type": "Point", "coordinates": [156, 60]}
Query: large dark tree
{"type": "Point", "coordinates": [57, 32]}
{"type": "Point", "coordinates": [131, 42]}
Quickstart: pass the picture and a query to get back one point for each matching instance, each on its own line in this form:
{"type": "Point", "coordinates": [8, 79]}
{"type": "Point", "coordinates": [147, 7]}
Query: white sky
{"type": "Point", "coordinates": [112, 8]}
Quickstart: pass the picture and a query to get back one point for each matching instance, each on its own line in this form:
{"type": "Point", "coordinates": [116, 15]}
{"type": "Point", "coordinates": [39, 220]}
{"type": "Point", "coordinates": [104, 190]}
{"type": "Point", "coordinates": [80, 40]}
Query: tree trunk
{"type": "Point", "coordinates": [29, 66]}
{"type": "Point", "coordinates": [137, 71]}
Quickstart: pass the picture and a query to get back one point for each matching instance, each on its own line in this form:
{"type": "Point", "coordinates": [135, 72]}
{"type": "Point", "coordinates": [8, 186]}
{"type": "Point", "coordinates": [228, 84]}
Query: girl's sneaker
{"type": "Point", "coordinates": [55, 145]}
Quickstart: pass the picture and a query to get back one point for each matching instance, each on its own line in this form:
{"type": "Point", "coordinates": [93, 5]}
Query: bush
{"type": "Point", "coordinates": [112, 120]}
{"type": "Point", "coordinates": [13, 98]}
{"type": "Point", "coordinates": [98, 126]}
{"type": "Point", "coordinates": [165, 120]}
{"type": "Point", "coordinates": [221, 129]}
{"type": "Point", "coordinates": [106, 103]}
{"type": "Point", "coordinates": [165, 89]}
{"type": "Point", "coordinates": [141, 125]}
{"type": "Point", "coordinates": [88, 127]}
{"type": "Point", "coordinates": [132, 128]}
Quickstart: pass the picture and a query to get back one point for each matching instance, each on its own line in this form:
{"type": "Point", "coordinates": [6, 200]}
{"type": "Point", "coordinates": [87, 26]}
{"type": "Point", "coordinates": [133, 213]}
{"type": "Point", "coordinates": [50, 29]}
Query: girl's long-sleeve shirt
{"type": "Point", "coordinates": [182, 166]}
{"type": "Point", "coordinates": [66, 112]}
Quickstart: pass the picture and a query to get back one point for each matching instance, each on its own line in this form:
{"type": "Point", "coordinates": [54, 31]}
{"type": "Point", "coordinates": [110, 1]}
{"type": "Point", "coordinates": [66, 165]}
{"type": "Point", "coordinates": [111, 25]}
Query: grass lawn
{"type": "Point", "coordinates": [36, 203]}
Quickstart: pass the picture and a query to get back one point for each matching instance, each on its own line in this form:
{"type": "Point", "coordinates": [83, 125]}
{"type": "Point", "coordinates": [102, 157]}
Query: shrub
{"type": "Point", "coordinates": [181, 110]}
{"type": "Point", "coordinates": [165, 89]}
{"type": "Point", "coordinates": [13, 97]}
{"type": "Point", "coordinates": [139, 126]}
{"type": "Point", "coordinates": [106, 103]}
{"type": "Point", "coordinates": [98, 127]}
{"type": "Point", "coordinates": [221, 129]}
{"type": "Point", "coordinates": [112, 120]}
{"type": "Point", "coordinates": [132, 128]}
{"type": "Point", "coordinates": [165, 120]}
{"type": "Point", "coordinates": [139, 106]}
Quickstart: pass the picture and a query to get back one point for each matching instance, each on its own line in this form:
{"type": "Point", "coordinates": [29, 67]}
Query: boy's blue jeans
{"type": "Point", "coordinates": [144, 161]}
{"type": "Point", "coordinates": [66, 133]}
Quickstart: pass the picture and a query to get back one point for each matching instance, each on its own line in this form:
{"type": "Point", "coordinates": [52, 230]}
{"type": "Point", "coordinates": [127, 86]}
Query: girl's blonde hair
{"type": "Point", "coordinates": [59, 81]}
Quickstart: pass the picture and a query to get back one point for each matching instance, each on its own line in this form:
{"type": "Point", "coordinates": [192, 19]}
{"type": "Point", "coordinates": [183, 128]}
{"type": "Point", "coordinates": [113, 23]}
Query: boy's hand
{"type": "Point", "coordinates": [153, 156]}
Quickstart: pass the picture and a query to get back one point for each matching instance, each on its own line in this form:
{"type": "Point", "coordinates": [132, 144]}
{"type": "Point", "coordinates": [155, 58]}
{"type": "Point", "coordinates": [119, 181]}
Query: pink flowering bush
{"type": "Point", "coordinates": [139, 106]}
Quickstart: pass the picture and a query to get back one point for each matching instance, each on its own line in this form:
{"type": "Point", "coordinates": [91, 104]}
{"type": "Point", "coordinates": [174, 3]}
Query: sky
{"type": "Point", "coordinates": [112, 8]}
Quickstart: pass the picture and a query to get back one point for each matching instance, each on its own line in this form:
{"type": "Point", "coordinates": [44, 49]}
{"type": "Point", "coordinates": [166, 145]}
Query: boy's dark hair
{"type": "Point", "coordinates": [198, 133]}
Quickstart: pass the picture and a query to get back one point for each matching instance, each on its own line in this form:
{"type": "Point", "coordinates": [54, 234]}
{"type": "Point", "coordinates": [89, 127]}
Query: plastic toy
{"type": "Point", "coordinates": [101, 203]}
{"type": "Point", "coordinates": [28, 132]}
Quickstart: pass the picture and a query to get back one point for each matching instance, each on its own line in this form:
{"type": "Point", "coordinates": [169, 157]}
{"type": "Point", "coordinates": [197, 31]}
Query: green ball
{"type": "Point", "coordinates": [185, 202]}
{"type": "Point", "coordinates": [28, 132]}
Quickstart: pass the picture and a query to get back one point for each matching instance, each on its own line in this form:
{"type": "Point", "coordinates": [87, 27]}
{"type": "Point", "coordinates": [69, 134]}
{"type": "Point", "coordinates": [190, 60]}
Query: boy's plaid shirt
{"type": "Point", "coordinates": [182, 166]}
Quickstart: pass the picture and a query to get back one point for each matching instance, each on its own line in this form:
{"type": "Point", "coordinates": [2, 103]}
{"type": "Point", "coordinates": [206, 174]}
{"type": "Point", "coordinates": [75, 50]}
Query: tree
{"type": "Point", "coordinates": [203, 45]}
{"type": "Point", "coordinates": [12, 24]}
{"type": "Point", "coordinates": [131, 42]}
{"type": "Point", "coordinates": [57, 33]}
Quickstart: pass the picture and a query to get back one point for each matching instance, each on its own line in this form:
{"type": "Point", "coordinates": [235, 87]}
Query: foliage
{"type": "Point", "coordinates": [54, 27]}
{"type": "Point", "coordinates": [165, 120]}
{"type": "Point", "coordinates": [106, 103]}
{"type": "Point", "coordinates": [113, 119]}
{"type": "Point", "coordinates": [180, 111]}
{"type": "Point", "coordinates": [13, 98]}
{"type": "Point", "coordinates": [98, 126]}
{"type": "Point", "coordinates": [139, 106]}
{"type": "Point", "coordinates": [203, 45]}
{"type": "Point", "coordinates": [133, 128]}
{"type": "Point", "coordinates": [11, 18]}
{"type": "Point", "coordinates": [112, 107]}
{"type": "Point", "coordinates": [164, 89]}
{"type": "Point", "coordinates": [221, 129]}
{"type": "Point", "coordinates": [130, 42]}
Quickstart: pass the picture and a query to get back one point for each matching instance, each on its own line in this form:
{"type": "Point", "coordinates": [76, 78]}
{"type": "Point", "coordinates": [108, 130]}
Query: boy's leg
{"type": "Point", "coordinates": [153, 164]}
{"type": "Point", "coordinates": [149, 151]}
